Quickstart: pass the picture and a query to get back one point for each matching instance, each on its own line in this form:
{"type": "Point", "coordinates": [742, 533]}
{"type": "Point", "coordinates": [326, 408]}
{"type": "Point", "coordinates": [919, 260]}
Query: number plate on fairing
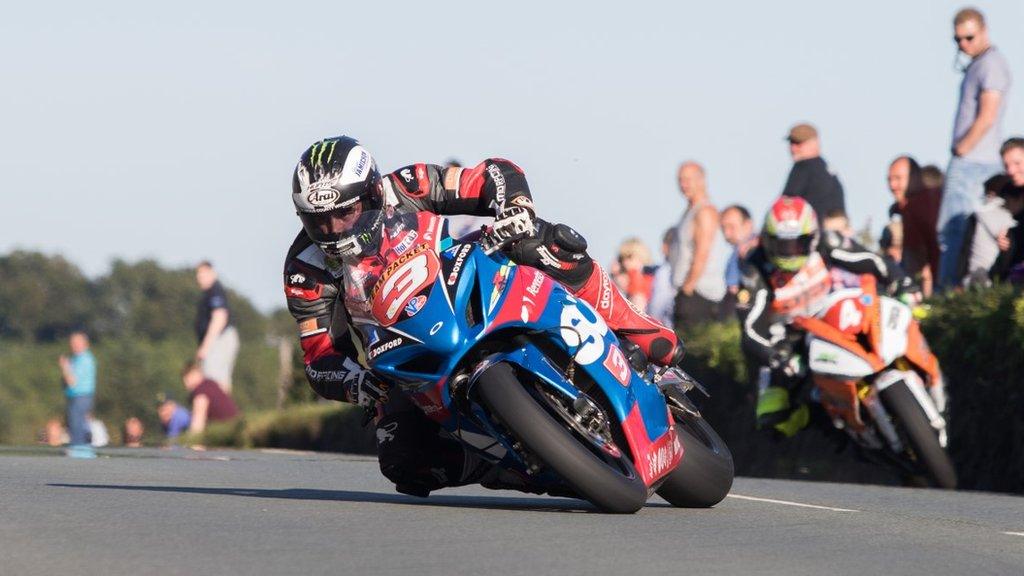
{"type": "Point", "coordinates": [828, 359]}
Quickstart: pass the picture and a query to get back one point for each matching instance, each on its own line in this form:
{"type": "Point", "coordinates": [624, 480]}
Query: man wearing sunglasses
{"type": "Point", "coordinates": [977, 135]}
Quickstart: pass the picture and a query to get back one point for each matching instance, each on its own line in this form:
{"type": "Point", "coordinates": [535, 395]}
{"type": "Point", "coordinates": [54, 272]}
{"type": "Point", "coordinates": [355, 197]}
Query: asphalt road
{"type": "Point", "coordinates": [183, 512]}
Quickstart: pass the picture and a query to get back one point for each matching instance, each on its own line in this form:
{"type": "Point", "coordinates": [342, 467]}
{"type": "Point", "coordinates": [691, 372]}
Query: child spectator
{"type": "Point", "coordinates": [174, 418]}
{"type": "Point", "coordinates": [891, 241]}
{"type": "Point", "coordinates": [983, 232]}
{"type": "Point", "coordinates": [131, 433]}
{"type": "Point", "coordinates": [1010, 265]}
{"type": "Point", "coordinates": [633, 273]}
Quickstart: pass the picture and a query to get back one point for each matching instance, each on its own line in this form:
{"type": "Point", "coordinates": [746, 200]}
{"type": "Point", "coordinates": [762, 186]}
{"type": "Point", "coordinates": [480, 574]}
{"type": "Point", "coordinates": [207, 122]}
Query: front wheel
{"type": "Point", "coordinates": [612, 487]}
{"type": "Point", "coordinates": [919, 434]}
{"type": "Point", "coordinates": [705, 474]}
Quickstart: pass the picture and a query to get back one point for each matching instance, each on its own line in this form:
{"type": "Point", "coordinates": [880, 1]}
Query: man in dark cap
{"type": "Point", "coordinates": [810, 177]}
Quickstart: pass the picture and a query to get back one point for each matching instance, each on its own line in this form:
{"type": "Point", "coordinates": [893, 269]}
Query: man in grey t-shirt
{"type": "Point", "coordinates": [977, 135]}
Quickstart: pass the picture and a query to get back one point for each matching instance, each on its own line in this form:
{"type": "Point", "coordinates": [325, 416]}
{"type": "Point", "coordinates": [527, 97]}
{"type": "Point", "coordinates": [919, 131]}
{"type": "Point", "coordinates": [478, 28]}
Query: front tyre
{"type": "Point", "coordinates": [921, 437]}
{"type": "Point", "coordinates": [603, 484]}
{"type": "Point", "coordinates": [705, 474]}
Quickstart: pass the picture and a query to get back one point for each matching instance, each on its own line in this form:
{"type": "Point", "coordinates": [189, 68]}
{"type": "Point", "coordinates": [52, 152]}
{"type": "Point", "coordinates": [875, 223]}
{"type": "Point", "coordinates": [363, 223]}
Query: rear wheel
{"type": "Point", "coordinates": [705, 474]}
{"type": "Point", "coordinates": [611, 486]}
{"type": "Point", "coordinates": [922, 439]}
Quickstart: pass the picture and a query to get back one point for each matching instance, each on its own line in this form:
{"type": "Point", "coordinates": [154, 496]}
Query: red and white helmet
{"type": "Point", "coordinates": [790, 233]}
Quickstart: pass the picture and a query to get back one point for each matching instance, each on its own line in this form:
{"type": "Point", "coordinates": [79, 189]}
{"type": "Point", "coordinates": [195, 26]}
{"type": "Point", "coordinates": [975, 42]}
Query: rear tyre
{"type": "Point", "coordinates": [910, 419]}
{"type": "Point", "coordinates": [704, 475]}
{"type": "Point", "coordinates": [600, 482]}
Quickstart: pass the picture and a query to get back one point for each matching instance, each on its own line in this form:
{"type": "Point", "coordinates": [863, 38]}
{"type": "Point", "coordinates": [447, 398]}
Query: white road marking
{"type": "Point", "coordinates": [788, 503]}
{"type": "Point", "coordinates": [1014, 533]}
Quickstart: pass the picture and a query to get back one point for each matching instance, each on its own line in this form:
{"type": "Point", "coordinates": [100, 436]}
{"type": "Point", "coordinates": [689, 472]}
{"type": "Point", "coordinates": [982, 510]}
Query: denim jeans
{"type": "Point", "coordinates": [78, 424]}
{"type": "Point", "coordinates": [960, 198]}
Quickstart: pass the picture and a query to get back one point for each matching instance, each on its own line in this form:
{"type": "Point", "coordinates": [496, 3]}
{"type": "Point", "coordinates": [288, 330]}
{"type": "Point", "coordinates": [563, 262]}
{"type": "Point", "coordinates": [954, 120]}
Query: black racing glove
{"type": "Point", "coordinates": [784, 360]}
{"type": "Point", "coordinates": [366, 389]}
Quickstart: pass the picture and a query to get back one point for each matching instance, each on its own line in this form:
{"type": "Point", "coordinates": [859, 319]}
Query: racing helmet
{"type": "Point", "coordinates": [339, 197]}
{"type": "Point", "coordinates": [790, 233]}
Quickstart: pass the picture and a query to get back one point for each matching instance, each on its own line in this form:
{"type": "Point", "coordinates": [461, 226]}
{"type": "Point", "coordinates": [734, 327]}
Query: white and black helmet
{"type": "Point", "coordinates": [339, 197]}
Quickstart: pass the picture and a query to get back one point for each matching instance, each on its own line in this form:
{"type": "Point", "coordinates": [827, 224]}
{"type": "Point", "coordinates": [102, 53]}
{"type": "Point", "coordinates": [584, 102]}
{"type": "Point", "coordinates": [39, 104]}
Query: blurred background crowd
{"type": "Point", "coordinates": [948, 230]}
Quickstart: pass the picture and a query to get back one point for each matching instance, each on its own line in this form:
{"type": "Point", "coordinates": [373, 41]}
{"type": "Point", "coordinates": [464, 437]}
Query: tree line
{"type": "Point", "coordinates": [140, 317]}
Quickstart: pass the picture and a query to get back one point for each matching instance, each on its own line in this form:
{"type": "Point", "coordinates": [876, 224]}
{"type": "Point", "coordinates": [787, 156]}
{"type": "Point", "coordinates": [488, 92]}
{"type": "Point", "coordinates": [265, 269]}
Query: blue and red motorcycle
{"type": "Point", "coordinates": [529, 377]}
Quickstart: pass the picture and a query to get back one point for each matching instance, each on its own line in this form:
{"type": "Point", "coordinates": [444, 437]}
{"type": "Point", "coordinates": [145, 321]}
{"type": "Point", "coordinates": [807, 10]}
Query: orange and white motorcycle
{"type": "Point", "coordinates": [878, 380]}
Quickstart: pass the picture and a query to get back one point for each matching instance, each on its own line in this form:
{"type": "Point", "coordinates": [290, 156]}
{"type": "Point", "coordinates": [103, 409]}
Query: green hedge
{"type": "Point", "coordinates": [131, 372]}
{"type": "Point", "coordinates": [330, 427]}
{"type": "Point", "coordinates": [979, 339]}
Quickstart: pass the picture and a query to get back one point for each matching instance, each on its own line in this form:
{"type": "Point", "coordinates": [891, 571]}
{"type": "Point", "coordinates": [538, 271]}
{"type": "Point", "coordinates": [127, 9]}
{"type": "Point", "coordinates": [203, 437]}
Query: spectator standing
{"type": "Point", "coordinates": [810, 178]}
{"type": "Point", "coordinates": [739, 232]}
{"type": "Point", "coordinates": [663, 294]}
{"type": "Point", "coordinates": [79, 374]}
{"type": "Point", "coordinates": [917, 208]}
{"type": "Point", "coordinates": [218, 338]}
{"type": "Point", "coordinates": [738, 229]}
{"type": "Point", "coordinates": [209, 402]}
{"type": "Point", "coordinates": [696, 256]}
{"type": "Point", "coordinates": [977, 133]}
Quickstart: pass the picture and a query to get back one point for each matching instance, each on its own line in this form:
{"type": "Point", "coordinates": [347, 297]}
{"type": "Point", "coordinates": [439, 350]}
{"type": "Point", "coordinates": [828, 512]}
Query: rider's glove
{"type": "Point", "coordinates": [785, 361]}
{"type": "Point", "coordinates": [780, 357]}
{"type": "Point", "coordinates": [511, 224]}
{"type": "Point", "coordinates": [366, 389]}
{"type": "Point", "coordinates": [907, 291]}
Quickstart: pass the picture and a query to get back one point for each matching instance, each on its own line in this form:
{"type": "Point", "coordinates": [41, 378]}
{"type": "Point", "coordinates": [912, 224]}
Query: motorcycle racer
{"type": "Point", "coordinates": [354, 219]}
{"type": "Point", "coordinates": [791, 274]}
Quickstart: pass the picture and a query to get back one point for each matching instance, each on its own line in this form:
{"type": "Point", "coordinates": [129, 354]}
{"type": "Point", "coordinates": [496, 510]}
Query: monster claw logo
{"type": "Point", "coordinates": [316, 153]}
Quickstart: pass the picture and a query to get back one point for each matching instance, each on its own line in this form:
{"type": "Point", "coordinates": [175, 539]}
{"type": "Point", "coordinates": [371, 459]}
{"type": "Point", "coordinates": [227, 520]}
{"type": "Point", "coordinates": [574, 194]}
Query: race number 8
{"type": "Point", "coordinates": [584, 330]}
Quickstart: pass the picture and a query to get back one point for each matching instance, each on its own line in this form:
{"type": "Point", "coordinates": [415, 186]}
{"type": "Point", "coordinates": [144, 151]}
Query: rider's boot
{"type": "Point", "coordinates": [413, 454]}
{"type": "Point", "coordinates": [774, 410]}
{"type": "Point", "coordinates": [560, 252]}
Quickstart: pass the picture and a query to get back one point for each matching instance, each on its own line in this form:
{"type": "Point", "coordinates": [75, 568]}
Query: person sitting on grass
{"type": "Point", "coordinates": [174, 418]}
{"type": "Point", "coordinates": [209, 402]}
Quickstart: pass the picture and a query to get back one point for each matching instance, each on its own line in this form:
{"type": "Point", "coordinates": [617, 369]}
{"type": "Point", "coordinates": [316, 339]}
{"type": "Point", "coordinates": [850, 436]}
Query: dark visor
{"type": "Point", "coordinates": [799, 246]}
{"type": "Point", "coordinates": [333, 225]}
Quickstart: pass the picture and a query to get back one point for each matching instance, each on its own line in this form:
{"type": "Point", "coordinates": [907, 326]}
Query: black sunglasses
{"type": "Point", "coordinates": [958, 39]}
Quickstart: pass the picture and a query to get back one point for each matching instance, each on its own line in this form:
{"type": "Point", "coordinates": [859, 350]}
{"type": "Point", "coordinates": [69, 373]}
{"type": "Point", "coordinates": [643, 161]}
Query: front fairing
{"type": "Point", "coordinates": [442, 301]}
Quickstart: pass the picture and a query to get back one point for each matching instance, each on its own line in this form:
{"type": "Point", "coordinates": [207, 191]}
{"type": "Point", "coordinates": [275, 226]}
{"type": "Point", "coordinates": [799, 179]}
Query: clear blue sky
{"type": "Point", "coordinates": [169, 130]}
